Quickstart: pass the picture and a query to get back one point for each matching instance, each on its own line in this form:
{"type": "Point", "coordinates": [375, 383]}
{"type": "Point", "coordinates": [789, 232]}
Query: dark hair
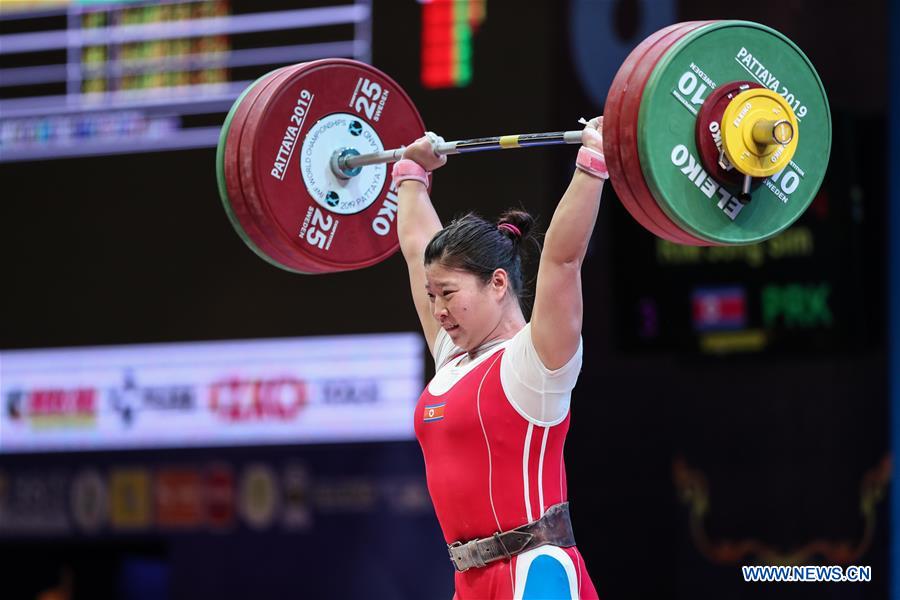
{"type": "Point", "coordinates": [470, 243]}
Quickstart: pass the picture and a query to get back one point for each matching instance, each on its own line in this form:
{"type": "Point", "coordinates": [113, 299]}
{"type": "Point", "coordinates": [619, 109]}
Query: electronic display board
{"type": "Point", "coordinates": [808, 291]}
{"type": "Point", "coordinates": [94, 78]}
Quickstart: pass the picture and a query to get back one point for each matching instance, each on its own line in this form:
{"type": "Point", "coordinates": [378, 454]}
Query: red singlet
{"type": "Point", "coordinates": [490, 468]}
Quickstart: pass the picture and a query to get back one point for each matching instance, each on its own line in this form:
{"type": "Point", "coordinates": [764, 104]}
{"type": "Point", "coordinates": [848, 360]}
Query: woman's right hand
{"type": "Point", "coordinates": [422, 152]}
{"type": "Point", "coordinates": [592, 135]}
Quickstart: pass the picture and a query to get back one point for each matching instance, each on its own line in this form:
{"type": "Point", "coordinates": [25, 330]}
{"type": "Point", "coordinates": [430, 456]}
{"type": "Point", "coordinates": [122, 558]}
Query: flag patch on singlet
{"type": "Point", "coordinates": [434, 412]}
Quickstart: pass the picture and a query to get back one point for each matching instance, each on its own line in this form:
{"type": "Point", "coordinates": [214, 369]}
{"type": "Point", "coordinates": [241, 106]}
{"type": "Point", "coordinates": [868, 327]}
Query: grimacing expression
{"type": "Point", "coordinates": [468, 309]}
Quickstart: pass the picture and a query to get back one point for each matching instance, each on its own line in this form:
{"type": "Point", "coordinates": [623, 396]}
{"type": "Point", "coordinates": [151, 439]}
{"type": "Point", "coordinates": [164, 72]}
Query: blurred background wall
{"type": "Point", "coordinates": [686, 459]}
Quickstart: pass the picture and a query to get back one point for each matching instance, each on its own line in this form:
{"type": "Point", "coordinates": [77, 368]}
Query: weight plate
{"type": "Point", "coordinates": [290, 135]}
{"type": "Point", "coordinates": [614, 123]}
{"type": "Point", "coordinates": [708, 133]}
{"type": "Point", "coordinates": [222, 173]}
{"type": "Point", "coordinates": [722, 52]}
{"type": "Point", "coordinates": [632, 99]}
{"type": "Point", "coordinates": [261, 228]}
{"type": "Point", "coordinates": [228, 177]}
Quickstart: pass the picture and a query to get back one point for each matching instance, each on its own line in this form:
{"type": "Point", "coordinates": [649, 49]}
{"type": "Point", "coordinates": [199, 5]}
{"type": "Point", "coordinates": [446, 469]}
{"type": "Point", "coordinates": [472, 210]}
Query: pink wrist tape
{"type": "Point", "coordinates": [592, 162]}
{"type": "Point", "coordinates": [409, 169]}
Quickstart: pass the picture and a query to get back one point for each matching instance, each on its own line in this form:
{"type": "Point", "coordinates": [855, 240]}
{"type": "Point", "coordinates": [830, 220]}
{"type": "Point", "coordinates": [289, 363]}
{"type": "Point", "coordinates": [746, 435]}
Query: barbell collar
{"type": "Point", "coordinates": [767, 132]}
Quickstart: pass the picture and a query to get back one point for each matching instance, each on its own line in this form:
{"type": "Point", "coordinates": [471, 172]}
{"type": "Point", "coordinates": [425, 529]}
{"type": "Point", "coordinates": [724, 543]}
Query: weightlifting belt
{"type": "Point", "coordinates": [554, 528]}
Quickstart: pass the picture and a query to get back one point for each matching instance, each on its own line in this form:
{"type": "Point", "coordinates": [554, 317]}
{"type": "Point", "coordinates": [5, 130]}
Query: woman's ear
{"type": "Point", "coordinates": [500, 281]}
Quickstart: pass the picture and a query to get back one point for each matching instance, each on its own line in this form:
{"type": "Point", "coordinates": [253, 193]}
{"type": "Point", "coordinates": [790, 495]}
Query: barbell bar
{"type": "Point", "coordinates": [346, 165]}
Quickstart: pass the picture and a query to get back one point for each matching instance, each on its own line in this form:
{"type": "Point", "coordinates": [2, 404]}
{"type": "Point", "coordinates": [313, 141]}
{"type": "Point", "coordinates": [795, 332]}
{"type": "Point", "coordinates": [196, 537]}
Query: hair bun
{"type": "Point", "coordinates": [516, 224]}
{"type": "Point", "coordinates": [515, 231]}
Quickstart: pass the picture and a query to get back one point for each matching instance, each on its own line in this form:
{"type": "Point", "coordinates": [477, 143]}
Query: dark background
{"type": "Point", "coordinates": [136, 248]}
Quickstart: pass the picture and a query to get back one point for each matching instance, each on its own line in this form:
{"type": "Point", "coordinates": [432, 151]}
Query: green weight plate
{"type": "Point", "coordinates": [713, 55]}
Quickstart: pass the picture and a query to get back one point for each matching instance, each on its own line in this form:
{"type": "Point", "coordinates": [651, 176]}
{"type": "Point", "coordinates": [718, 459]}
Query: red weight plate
{"type": "Point", "coordinates": [291, 133]}
{"type": "Point", "coordinates": [613, 117]}
{"type": "Point", "coordinates": [631, 103]}
{"type": "Point", "coordinates": [232, 174]}
{"type": "Point", "coordinates": [229, 193]}
{"type": "Point", "coordinates": [632, 99]}
{"type": "Point", "coordinates": [264, 228]}
{"type": "Point", "coordinates": [708, 134]}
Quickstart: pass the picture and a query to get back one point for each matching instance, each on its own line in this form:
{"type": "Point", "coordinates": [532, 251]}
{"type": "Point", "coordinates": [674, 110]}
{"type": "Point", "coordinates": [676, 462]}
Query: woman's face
{"type": "Point", "coordinates": [466, 308]}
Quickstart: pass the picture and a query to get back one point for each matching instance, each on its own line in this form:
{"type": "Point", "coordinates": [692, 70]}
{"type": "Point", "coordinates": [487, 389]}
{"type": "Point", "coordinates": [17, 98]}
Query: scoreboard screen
{"type": "Point", "coordinates": [93, 78]}
{"type": "Point", "coordinates": [813, 289]}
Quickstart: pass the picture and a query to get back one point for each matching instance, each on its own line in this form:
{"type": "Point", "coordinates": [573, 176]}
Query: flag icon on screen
{"type": "Point", "coordinates": [719, 308]}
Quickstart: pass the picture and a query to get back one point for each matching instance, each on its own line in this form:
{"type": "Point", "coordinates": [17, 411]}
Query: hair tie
{"type": "Point", "coordinates": [509, 226]}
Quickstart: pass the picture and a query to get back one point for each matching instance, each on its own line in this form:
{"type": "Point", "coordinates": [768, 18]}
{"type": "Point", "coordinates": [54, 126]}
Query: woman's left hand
{"type": "Point", "coordinates": [592, 134]}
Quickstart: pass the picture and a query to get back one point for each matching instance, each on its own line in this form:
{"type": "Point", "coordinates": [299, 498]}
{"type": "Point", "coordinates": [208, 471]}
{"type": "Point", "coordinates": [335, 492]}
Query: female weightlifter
{"type": "Point", "coordinates": [493, 421]}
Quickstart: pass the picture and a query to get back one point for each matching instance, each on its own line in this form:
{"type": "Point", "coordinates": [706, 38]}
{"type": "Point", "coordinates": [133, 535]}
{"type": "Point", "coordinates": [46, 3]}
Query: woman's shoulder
{"type": "Point", "coordinates": [521, 351]}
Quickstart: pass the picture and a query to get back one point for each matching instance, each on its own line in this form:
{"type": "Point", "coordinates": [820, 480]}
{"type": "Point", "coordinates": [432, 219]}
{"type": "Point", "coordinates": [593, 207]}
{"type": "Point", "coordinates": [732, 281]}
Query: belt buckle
{"type": "Point", "coordinates": [453, 559]}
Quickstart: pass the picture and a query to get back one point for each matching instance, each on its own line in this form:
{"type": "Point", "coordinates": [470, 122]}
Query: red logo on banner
{"type": "Point", "coordinates": [53, 406]}
{"type": "Point", "coordinates": [258, 399]}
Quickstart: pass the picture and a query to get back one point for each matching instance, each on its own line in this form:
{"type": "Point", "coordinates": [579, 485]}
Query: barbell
{"type": "Point", "coordinates": [701, 130]}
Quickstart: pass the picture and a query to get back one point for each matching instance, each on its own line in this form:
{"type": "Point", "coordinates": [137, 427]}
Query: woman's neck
{"type": "Point", "coordinates": [509, 325]}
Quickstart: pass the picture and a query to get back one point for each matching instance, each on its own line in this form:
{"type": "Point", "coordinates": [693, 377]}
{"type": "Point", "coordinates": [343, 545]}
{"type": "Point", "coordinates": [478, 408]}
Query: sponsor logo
{"type": "Point", "coordinates": [130, 498]}
{"type": "Point", "coordinates": [35, 503]}
{"type": "Point", "coordinates": [297, 509]}
{"type": "Point", "coordinates": [258, 496]}
{"type": "Point", "coordinates": [350, 391]}
{"type": "Point", "coordinates": [53, 407]}
{"type": "Point", "coordinates": [220, 496]}
{"type": "Point", "coordinates": [88, 497]}
{"type": "Point", "coordinates": [178, 495]}
{"type": "Point", "coordinates": [130, 398]}
{"type": "Point", "coordinates": [279, 399]}
{"type": "Point", "coordinates": [347, 495]}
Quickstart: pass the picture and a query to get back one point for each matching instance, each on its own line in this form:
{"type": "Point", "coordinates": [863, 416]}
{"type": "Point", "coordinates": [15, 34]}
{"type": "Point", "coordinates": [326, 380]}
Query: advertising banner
{"type": "Point", "coordinates": [290, 391]}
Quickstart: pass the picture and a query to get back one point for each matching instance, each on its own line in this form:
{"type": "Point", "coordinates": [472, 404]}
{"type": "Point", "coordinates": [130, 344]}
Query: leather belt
{"type": "Point", "coordinates": [554, 528]}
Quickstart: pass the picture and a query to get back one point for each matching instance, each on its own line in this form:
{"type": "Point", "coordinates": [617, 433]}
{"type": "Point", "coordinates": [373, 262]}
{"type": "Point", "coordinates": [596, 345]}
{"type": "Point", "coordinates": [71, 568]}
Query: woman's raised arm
{"type": "Point", "coordinates": [558, 306]}
{"type": "Point", "coordinates": [417, 223]}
